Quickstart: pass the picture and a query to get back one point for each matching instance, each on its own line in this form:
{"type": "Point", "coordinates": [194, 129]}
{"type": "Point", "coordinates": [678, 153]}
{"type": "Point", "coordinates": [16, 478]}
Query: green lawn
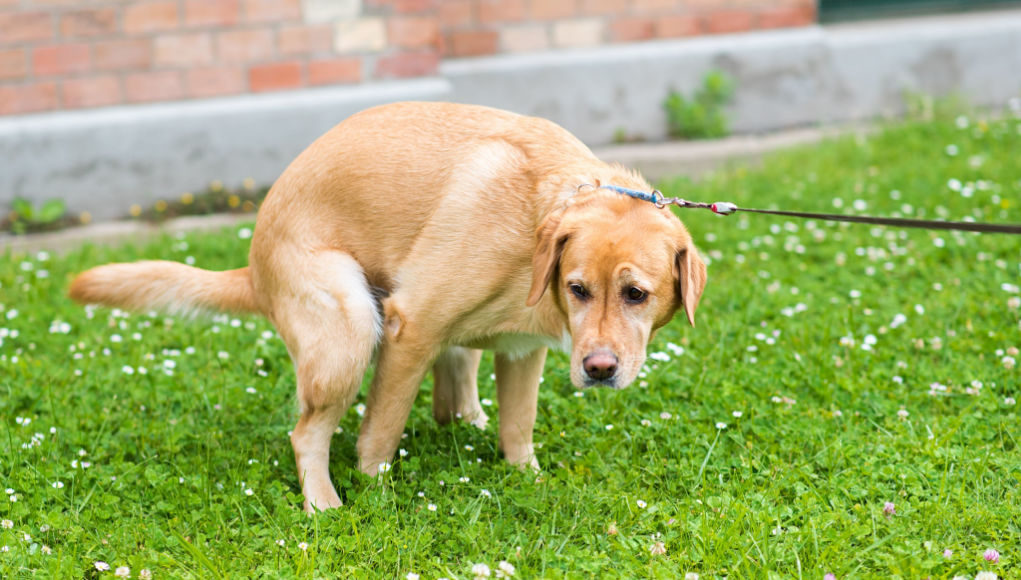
{"type": "Point", "coordinates": [834, 368]}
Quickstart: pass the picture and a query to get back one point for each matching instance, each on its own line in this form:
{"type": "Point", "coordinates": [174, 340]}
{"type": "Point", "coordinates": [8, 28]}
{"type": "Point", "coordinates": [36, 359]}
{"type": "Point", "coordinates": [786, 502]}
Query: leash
{"type": "Point", "coordinates": [726, 208]}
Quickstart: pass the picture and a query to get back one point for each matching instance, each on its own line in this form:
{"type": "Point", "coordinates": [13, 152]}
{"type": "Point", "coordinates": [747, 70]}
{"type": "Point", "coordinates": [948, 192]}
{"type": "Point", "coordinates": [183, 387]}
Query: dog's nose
{"type": "Point", "coordinates": [600, 365]}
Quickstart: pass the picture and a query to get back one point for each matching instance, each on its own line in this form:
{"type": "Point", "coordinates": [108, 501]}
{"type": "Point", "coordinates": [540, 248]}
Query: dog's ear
{"type": "Point", "coordinates": [548, 249]}
{"type": "Point", "coordinates": [691, 278]}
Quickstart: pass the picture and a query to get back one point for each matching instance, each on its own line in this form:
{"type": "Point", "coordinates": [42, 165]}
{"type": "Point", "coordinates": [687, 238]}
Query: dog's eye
{"type": "Point", "coordinates": [636, 295]}
{"type": "Point", "coordinates": [579, 291]}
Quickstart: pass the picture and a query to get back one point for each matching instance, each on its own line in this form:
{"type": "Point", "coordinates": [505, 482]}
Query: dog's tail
{"type": "Point", "coordinates": [165, 286]}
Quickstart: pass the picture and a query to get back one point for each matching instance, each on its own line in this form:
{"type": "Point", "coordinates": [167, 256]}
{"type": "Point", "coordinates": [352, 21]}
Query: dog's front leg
{"type": "Point", "coordinates": [399, 371]}
{"type": "Point", "coordinates": [517, 388]}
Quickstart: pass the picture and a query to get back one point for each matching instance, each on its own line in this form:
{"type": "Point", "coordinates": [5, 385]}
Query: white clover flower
{"type": "Point", "coordinates": [903, 414]}
{"type": "Point", "coordinates": [658, 549]}
{"type": "Point", "coordinates": [480, 571]}
{"type": "Point", "coordinates": [411, 576]}
{"type": "Point", "coordinates": [122, 572]}
{"type": "Point", "coordinates": [721, 425]}
{"type": "Point", "coordinates": [665, 415]}
{"type": "Point", "coordinates": [505, 569]}
{"type": "Point", "coordinates": [145, 574]}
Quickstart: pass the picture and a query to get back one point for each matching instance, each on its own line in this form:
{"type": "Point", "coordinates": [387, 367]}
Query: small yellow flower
{"type": "Point", "coordinates": [85, 217]}
{"type": "Point", "coordinates": [216, 185]}
{"type": "Point", "coordinates": [187, 198]}
{"type": "Point", "coordinates": [136, 210]}
{"type": "Point", "coordinates": [233, 201]}
{"type": "Point", "coordinates": [161, 206]}
{"type": "Point", "coordinates": [248, 183]}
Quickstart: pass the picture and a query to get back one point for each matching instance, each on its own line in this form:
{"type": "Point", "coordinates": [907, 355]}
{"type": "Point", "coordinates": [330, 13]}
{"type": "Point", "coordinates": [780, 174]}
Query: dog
{"type": "Point", "coordinates": [420, 234]}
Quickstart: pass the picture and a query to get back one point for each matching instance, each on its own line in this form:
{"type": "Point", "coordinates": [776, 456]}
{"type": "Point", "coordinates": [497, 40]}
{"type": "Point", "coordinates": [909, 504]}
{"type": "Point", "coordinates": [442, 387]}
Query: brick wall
{"type": "Point", "coordinates": [72, 54]}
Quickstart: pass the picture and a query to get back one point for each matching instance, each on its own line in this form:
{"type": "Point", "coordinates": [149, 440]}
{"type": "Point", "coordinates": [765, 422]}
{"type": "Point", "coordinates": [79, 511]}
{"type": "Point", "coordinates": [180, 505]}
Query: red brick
{"type": "Point", "coordinates": [334, 71]}
{"type": "Point", "coordinates": [211, 12]}
{"type": "Point", "coordinates": [60, 59]}
{"type": "Point", "coordinates": [551, 10]}
{"type": "Point", "coordinates": [786, 18]}
{"type": "Point", "coordinates": [414, 6]}
{"type": "Point", "coordinates": [88, 23]}
{"type": "Point", "coordinates": [500, 10]}
{"type": "Point", "coordinates": [409, 64]}
{"type": "Point", "coordinates": [183, 50]}
{"type": "Point", "coordinates": [412, 31]}
{"type": "Point", "coordinates": [274, 77]}
{"type": "Point", "coordinates": [656, 6]}
{"type": "Point", "coordinates": [122, 54]}
{"type": "Point", "coordinates": [472, 42]}
{"type": "Point", "coordinates": [146, 87]}
{"type": "Point", "coordinates": [150, 17]}
{"type": "Point", "coordinates": [632, 29]}
{"type": "Point", "coordinates": [728, 21]}
{"type": "Point", "coordinates": [90, 92]}
{"type": "Point", "coordinates": [215, 81]}
{"type": "Point", "coordinates": [13, 64]}
{"type": "Point", "coordinates": [455, 14]}
{"type": "Point", "coordinates": [677, 26]}
{"type": "Point", "coordinates": [274, 11]}
{"type": "Point", "coordinates": [18, 27]}
{"type": "Point", "coordinates": [594, 7]}
{"type": "Point", "coordinates": [30, 98]}
{"type": "Point", "coordinates": [293, 40]}
{"type": "Point", "coordinates": [245, 45]}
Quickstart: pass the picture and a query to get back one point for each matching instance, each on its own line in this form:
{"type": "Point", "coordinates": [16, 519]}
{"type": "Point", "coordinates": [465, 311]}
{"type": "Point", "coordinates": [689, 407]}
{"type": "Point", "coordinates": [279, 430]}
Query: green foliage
{"type": "Point", "coordinates": [214, 199]}
{"type": "Point", "coordinates": [793, 487]}
{"type": "Point", "coordinates": [702, 116]}
{"type": "Point", "coordinates": [25, 217]}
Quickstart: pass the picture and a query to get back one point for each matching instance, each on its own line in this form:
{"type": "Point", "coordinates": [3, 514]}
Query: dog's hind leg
{"type": "Point", "coordinates": [328, 318]}
{"type": "Point", "coordinates": [456, 387]}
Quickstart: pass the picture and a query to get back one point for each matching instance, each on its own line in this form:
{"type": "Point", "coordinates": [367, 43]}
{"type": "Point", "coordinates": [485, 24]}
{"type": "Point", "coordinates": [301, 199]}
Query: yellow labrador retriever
{"type": "Point", "coordinates": [424, 232]}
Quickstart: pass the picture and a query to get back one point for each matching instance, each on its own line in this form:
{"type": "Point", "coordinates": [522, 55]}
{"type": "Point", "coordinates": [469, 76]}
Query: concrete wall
{"type": "Point", "coordinates": [104, 161]}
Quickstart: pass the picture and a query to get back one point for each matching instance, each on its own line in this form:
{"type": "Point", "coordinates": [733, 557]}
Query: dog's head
{"type": "Point", "coordinates": [618, 269]}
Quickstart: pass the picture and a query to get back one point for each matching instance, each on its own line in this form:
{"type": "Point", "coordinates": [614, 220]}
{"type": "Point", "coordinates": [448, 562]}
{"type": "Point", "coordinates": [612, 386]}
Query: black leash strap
{"type": "Point", "coordinates": [727, 208]}
{"type": "Point", "coordinates": [985, 228]}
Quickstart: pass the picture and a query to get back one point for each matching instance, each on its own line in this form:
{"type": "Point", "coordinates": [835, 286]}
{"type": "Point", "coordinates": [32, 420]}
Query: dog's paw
{"type": "Point", "coordinates": [523, 458]}
{"type": "Point", "coordinates": [480, 420]}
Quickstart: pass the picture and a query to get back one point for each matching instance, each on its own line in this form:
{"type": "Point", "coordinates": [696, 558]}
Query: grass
{"type": "Point", "coordinates": [190, 471]}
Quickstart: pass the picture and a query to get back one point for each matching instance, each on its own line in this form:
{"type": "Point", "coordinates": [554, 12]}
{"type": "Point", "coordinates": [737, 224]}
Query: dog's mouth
{"type": "Point", "coordinates": [610, 382]}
